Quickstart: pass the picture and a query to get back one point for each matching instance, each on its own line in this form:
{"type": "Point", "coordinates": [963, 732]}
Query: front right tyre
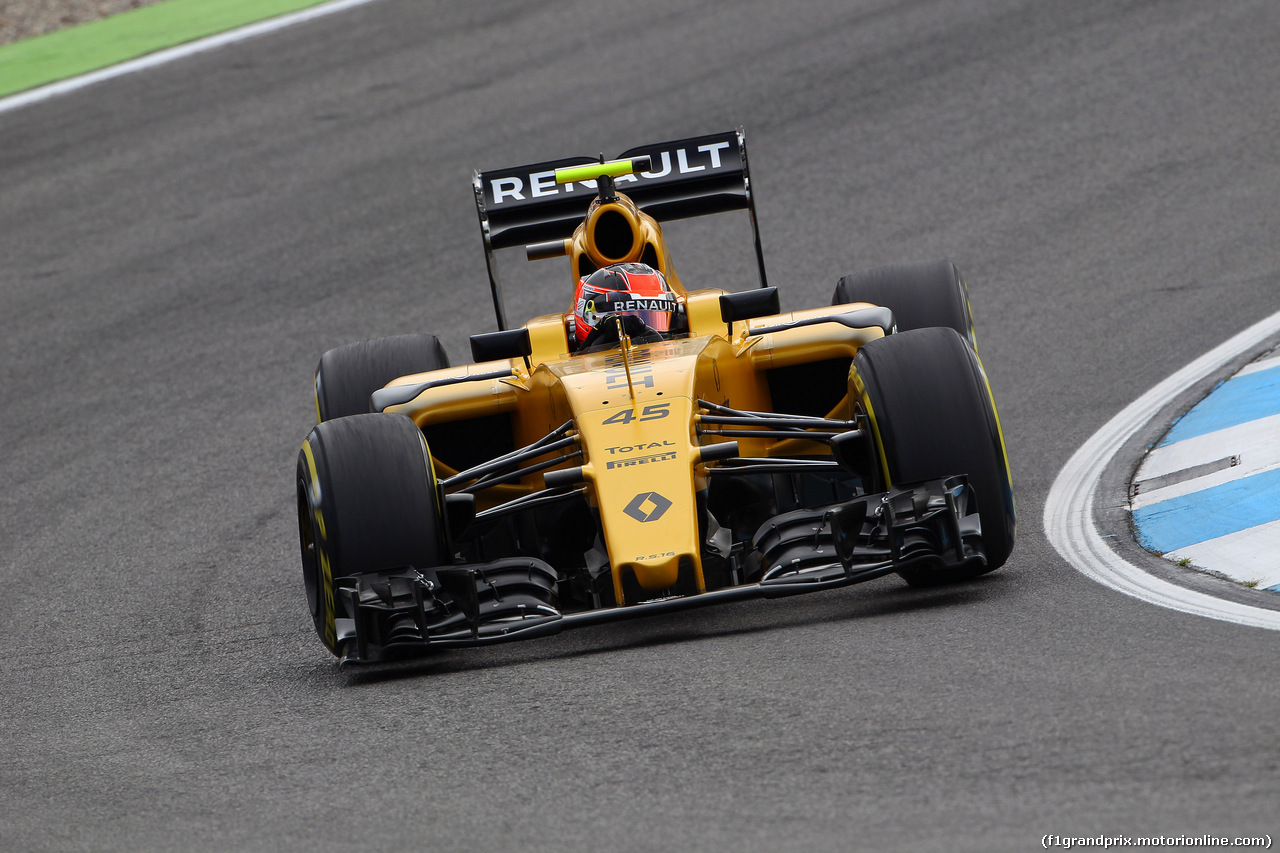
{"type": "Point", "coordinates": [367, 502]}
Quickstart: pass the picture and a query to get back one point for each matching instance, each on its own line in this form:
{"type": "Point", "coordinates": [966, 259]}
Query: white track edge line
{"type": "Point", "coordinates": [1258, 366]}
{"type": "Point", "coordinates": [1068, 511]}
{"type": "Point", "coordinates": [172, 54]}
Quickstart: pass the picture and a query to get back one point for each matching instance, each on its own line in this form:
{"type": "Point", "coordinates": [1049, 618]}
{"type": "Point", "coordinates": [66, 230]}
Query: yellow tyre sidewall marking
{"type": "Point", "coordinates": [861, 390]}
{"type": "Point", "coordinates": [322, 554]}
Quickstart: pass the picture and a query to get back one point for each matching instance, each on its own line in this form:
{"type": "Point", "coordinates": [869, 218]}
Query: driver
{"type": "Point", "coordinates": [634, 292]}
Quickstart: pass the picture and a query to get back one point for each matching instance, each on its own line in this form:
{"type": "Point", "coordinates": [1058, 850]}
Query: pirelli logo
{"type": "Point", "coordinates": [641, 460]}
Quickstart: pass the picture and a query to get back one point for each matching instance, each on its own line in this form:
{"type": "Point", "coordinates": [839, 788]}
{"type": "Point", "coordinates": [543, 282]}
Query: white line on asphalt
{"type": "Point", "coordinates": [172, 54]}
{"type": "Point", "coordinates": [1068, 512]}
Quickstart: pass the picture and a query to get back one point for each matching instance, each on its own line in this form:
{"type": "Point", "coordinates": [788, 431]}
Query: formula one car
{"type": "Point", "coordinates": [653, 449]}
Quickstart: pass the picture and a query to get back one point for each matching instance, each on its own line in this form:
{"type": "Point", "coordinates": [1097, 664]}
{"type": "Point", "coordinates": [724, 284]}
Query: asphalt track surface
{"type": "Point", "coordinates": [179, 246]}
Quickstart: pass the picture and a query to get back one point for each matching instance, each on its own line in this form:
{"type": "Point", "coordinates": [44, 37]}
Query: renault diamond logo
{"type": "Point", "coordinates": [647, 506]}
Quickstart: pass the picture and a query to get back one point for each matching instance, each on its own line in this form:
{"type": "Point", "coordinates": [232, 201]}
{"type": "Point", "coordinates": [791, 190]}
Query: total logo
{"type": "Point", "coordinates": [543, 184]}
{"type": "Point", "coordinates": [632, 448]}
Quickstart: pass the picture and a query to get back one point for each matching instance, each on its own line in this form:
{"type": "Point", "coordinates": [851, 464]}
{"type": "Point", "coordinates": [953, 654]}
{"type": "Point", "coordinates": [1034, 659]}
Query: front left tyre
{"type": "Point", "coordinates": [926, 400]}
{"type": "Point", "coordinates": [367, 501]}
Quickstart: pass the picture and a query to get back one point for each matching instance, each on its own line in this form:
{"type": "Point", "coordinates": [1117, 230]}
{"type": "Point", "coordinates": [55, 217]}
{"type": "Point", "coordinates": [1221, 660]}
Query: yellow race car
{"type": "Point", "coordinates": [657, 447]}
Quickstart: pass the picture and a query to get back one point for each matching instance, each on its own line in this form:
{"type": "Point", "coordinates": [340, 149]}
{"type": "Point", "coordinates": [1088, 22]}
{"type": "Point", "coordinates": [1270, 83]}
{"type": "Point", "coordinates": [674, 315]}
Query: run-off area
{"type": "Point", "coordinates": [1208, 495]}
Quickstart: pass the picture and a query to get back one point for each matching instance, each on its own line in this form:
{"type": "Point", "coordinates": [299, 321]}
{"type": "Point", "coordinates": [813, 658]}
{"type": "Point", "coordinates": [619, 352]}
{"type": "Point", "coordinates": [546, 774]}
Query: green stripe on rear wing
{"type": "Point", "coordinates": [687, 177]}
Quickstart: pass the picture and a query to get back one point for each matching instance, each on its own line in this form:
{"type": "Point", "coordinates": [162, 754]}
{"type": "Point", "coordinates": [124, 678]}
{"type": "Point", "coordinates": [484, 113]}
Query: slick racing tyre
{"type": "Point", "coordinates": [367, 501]}
{"type": "Point", "coordinates": [920, 295]}
{"type": "Point", "coordinates": [347, 375]}
{"type": "Point", "coordinates": [931, 414]}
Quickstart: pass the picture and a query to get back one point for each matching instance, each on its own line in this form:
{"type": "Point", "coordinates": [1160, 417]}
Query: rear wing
{"type": "Point", "coordinates": [687, 177]}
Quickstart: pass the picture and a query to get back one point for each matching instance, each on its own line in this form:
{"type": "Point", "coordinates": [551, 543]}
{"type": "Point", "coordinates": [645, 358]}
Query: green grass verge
{"type": "Point", "coordinates": [88, 47]}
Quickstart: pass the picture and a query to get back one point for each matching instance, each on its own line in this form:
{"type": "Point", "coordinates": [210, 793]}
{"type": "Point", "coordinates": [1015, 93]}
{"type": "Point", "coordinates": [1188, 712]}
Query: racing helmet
{"type": "Point", "coordinates": [623, 290]}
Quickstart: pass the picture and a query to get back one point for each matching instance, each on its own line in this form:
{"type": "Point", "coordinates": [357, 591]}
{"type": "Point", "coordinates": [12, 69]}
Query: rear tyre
{"type": "Point", "coordinates": [347, 375]}
{"type": "Point", "coordinates": [932, 415]}
{"type": "Point", "coordinates": [921, 294]}
{"type": "Point", "coordinates": [367, 501]}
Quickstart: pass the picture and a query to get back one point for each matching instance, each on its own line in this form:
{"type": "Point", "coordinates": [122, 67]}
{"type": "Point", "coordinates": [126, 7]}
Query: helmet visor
{"type": "Point", "coordinates": [654, 311]}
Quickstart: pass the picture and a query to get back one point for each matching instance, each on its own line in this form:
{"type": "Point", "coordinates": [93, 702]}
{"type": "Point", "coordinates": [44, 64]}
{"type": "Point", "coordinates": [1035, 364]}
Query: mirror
{"type": "Point", "coordinates": [495, 346]}
{"type": "Point", "coordinates": [749, 304]}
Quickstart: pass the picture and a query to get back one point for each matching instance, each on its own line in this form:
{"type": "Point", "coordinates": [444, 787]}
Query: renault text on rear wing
{"type": "Point", "coordinates": [686, 177]}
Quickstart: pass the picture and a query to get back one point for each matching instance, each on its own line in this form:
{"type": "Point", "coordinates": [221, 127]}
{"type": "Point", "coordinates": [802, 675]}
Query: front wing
{"type": "Point", "coordinates": [405, 612]}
